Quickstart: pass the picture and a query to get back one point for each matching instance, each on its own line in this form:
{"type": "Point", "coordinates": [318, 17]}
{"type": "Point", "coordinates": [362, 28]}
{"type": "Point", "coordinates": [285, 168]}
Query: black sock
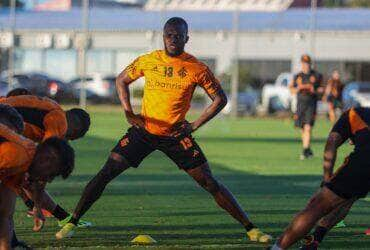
{"type": "Point", "coordinates": [60, 213]}
{"type": "Point", "coordinates": [249, 227]}
{"type": "Point", "coordinates": [320, 233]}
{"type": "Point", "coordinates": [14, 241]}
{"type": "Point", "coordinates": [74, 221]}
{"type": "Point", "coordinates": [29, 203]}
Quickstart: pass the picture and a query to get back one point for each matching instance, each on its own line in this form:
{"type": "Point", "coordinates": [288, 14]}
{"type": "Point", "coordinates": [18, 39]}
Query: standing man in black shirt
{"type": "Point", "coordinates": [307, 85]}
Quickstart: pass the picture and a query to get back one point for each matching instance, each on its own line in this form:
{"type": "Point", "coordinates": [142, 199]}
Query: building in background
{"type": "Point", "coordinates": [269, 42]}
{"type": "Point", "coordinates": [305, 3]}
{"type": "Point", "coordinates": [224, 5]}
{"type": "Point", "coordinates": [65, 5]}
{"type": "Point", "coordinates": [242, 5]}
{"type": "Point", "coordinates": [55, 5]}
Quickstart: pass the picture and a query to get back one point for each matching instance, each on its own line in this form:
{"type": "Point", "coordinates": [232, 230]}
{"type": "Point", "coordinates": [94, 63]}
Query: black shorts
{"type": "Point", "coordinates": [306, 113]}
{"type": "Point", "coordinates": [337, 103]}
{"type": "Point", "coordinates": [352, 179]}
{"type": "Point", "coordinates": [137, 144]}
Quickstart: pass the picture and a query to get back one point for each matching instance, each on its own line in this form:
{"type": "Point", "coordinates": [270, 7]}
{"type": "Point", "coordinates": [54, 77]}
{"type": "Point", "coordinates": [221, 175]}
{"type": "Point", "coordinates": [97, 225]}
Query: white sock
{"type": "Point", "coordinates": [276, 247]}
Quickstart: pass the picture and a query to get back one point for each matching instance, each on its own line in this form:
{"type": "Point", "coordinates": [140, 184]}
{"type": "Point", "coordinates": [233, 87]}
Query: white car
{"type": "Point", "coordinates": [277, 96]}
{"type": "Point", "coordinates": [356, 94]}
{"type": "Point", "coordinates": [96, 85]}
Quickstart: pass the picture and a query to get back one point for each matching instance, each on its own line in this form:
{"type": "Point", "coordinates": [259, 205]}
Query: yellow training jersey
{"type": "Point", "coordinates": [169, 86]}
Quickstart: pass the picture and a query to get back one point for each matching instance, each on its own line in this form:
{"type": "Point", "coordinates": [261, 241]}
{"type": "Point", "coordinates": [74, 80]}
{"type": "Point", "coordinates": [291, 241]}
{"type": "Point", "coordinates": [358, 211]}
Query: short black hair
{"type": "Point", "coordinates": [83, 121]}
{"type": "Point", "coordinates": [177, 21]}
{"type": "Point", "coordinates": [18, 91]}
{"type": "Point", "coordinates": [11, 115]}
{"type": "Point", "coordinates": [65, 153]}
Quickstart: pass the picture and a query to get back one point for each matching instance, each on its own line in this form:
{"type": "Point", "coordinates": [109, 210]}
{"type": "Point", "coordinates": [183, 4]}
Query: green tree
{"type": "Point", "coordinates": [334, 3]}
{"type": "Point", "coordinates": [359, 3]}
{"type": "Point", "coordinates": [347, 3]}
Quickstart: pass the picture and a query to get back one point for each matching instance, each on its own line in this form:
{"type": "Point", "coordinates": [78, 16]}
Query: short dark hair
{"type": "Point", "coordinates": [306, 58]}
{"type": "Point", "coordinates": [18, 91]}
{"type": "Point", "coordinates": [177, 21]}
{"type": "Point", "coordinates": [66, 154]}
{"type": "Point", "coordinates": [83, 121]}
{"type": "Point", "coordinates": [11, 115]}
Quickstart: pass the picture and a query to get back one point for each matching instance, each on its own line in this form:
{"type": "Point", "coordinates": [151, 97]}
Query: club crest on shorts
{"type": "Point", "coordinates": [124, 142]}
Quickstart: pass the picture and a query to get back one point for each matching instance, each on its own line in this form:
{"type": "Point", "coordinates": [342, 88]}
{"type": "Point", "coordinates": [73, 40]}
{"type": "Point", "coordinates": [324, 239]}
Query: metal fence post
{"type": "Point", "coordinates": [82, 52]}
{"type": "Point", "coordinates": [12, 18]}
{"type": "Point", "coordinates": [235, 64]}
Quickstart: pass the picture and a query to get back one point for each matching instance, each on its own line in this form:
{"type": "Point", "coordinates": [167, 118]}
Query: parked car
{"type": "Point", "coordinates": [277, 96]}
{"type": "Point", "coordinates": [112, 88]}
{"type": "Point", "coordinates": [356, 94]}
{"type": "Point", "coordinates": [50, 86]}
{"type": "Point", "coordinates": [96, 86]}
{"type": "Point", "coordinates": [247, 103]}
{"type": "Point", "coordinates": [42, 85]}
{"type": "Point", "coordinates": [4, 88]}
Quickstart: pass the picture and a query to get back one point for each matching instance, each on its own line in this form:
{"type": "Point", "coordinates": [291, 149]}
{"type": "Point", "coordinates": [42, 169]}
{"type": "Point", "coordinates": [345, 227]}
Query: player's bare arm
{"type": "Point", "coordinates": [122, 85]}
{"type": "Point", "coordinates": [306, 87]}
{"type": "Point", "coordinates": [295, 89]}
{"type": "Point", "coordinates": [327, 91]}
{"type": "Point", "coordinates": [330, 154]}
{"type": "Point", "coordinates": [219, 101]}
{"type": "Point", "coordinates": [320, 90]}
{"type": "Point", "coordinates": [292, 88]}
{"type": "Point", "coordinates": [36, 188]}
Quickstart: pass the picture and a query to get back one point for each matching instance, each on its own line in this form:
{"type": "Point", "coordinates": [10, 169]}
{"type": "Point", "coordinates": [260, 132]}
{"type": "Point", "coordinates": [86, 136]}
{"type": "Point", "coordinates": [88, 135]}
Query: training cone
{"type": "Point", "coordinates": [143, 240]}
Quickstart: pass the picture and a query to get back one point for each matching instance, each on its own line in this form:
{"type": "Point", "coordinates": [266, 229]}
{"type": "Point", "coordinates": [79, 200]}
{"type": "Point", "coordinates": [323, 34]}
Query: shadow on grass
{"type": "Point", "coordinates": [158, 183]}
{"type": "Point", "coordinates": [258, 139]}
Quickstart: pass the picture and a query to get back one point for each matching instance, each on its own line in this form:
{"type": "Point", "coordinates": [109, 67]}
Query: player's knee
{"type": "Point", "coordinates": [318, 204]}
{"type": "Point", "coordinates": [307, 127]}
{"type": "Point", "coordinates": [111, 169]}
{"type": "Point", "coordinates": [211, 185]}
{"type": "Point", "coordinates": [314, 202]}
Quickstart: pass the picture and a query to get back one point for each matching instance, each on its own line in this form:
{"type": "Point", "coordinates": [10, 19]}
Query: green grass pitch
{"type": "Point", "coordinates": [257, 159]}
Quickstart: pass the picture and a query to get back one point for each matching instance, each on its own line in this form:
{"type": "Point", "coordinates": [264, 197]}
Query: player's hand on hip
{"type": "Point", "coordinates": [135, 120]}
{"type": "Point", "coordinates": [312, 89]}
{"type": "Point", "coordinates": [183, 128]}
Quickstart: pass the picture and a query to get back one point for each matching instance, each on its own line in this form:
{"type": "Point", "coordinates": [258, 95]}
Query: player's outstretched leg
{"type": "Point", "coordinates": [306, 142]}
{"type": "Point", "coordinates": [203, 176]}
{"type": "Point", "coordinates": [7, 205]}
{"type": "Point", "coordinates": [320, 205]}
{"type": "Point", "coordinates": [114, 166]}
{"type": "Point", "coordinates": [49, 206]}
{"type": "Point", "coordinates": [327, 223]}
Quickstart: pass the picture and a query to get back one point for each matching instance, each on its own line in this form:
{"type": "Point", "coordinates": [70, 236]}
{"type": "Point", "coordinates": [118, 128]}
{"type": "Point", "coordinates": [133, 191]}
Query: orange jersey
{"type": "Point", "coordinates": [169, 86]}
{"type": "Point", "coordinates": [43, 118]}
{"type": "Point", "coordinates": [336, 87]}
{"type": "Point", "coordinates": [354, 124]}
{"type": "Point", "coordinates": [16, 154]}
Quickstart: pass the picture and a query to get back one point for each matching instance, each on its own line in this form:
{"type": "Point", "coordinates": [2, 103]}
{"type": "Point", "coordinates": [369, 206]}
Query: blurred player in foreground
{"type": "Point", "coordinates": [333, 94]}
{"type": "Point", "coordinates": [23, 164]}
{"type": "Point", "coordinates": [43, 119]}
{"type": "Point", "coordinates": [171, 76]}
{"type": "Point", "coordinates": [340, 190]}
{"type": "Point", "coordinates": [307, 86]}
